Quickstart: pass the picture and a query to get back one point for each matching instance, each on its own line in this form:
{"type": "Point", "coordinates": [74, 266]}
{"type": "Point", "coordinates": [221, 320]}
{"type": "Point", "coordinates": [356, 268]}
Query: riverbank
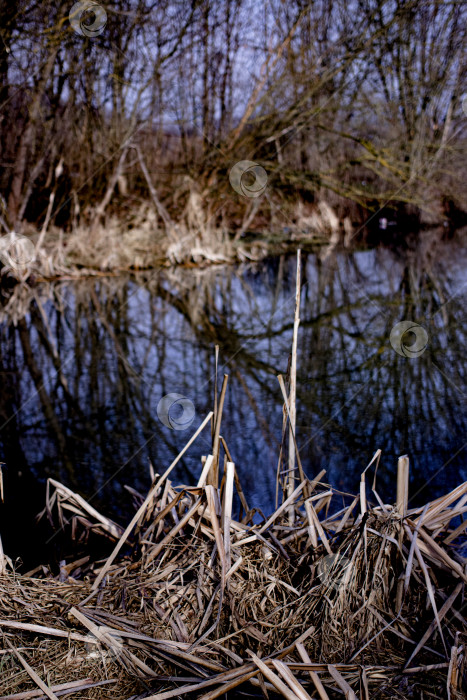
{"type": "Point", "coordinates": [365, 599]}
{"type": "Point", "coordinates": [146, 241]}
{"type": "Point", "coordinates": [115, 250]}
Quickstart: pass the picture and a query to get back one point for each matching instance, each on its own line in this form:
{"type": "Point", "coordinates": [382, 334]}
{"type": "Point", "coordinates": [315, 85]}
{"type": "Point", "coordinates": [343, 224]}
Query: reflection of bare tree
{"type": "Point", "coordinates": [398, 404]}
{"type": "Point", "coordinates": [83, 372]}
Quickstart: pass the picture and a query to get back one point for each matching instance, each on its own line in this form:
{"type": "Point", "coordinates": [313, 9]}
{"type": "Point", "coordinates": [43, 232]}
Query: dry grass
{"type": "Point", "coordinates": [144, 240]}
{"type": "Point", "coordinates": [364, 600]}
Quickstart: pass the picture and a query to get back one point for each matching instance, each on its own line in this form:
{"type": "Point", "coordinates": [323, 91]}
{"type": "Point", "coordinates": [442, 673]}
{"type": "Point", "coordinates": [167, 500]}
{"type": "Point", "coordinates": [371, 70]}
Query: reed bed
{"type": "Point", "coordinates": [353, 599]}
{"type": "Point", "coordinates": [147, 240]}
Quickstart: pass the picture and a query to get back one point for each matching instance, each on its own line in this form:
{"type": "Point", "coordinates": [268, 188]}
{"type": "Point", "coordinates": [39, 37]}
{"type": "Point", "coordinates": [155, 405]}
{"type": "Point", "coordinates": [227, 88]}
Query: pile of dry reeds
{"type": "Point", "coordinates": [329, 596]}
{"type": "Point", "coordinates": [314, 601]}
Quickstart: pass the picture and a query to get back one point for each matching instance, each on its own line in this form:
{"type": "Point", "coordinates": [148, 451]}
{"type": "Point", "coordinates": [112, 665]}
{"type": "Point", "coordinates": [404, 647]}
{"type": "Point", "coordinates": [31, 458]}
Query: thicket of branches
{"type": "Point", "coordinates": [356, 103]}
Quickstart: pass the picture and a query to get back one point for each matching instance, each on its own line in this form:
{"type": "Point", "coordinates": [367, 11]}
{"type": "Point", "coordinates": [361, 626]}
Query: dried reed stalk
{"type": "Point", "coordinates": [291, 407]}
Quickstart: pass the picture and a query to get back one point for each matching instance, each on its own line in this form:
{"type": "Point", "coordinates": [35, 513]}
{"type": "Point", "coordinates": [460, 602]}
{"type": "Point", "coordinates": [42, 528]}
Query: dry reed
{"type": "Point", "coordinates": [368, 603]}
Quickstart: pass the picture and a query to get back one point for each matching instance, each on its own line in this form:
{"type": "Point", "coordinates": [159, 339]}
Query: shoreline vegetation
{"type": "Point", "coordinates": [203, 596]}
{"type": "Point", "coordinates": [25, 259]}
{"type": "Point", "coordinates": [145, 246]}
{"type": "Point", "coordinates": [175, 134]}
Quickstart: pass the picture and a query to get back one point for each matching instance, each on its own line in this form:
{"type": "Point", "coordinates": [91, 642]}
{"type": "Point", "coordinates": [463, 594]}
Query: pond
{"type": "Point", "coordinates": [85, 364]}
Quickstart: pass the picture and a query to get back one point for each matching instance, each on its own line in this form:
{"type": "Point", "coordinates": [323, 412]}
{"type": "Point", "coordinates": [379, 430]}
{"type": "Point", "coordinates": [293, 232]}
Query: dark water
{"type": "Point", "coordinates": [84, 369]}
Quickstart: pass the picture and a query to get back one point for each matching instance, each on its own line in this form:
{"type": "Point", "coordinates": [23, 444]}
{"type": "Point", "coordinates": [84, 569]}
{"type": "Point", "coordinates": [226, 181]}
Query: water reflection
{"type": "Point", "coordinates": [84, 370]}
